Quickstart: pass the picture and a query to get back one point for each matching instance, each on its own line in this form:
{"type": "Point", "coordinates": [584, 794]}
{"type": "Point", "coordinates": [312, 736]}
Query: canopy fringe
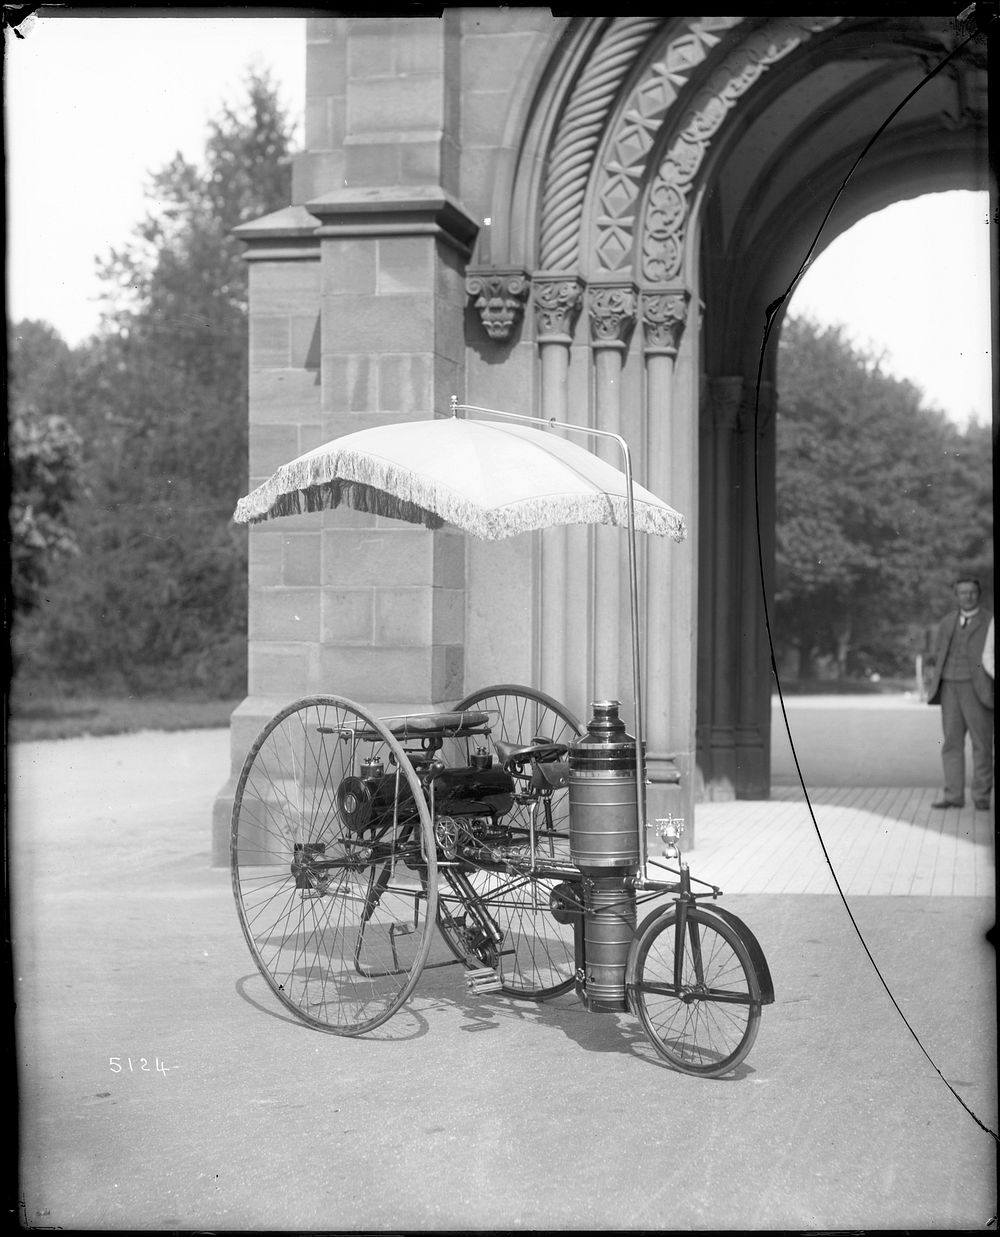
{"type": "Point", "coordinates": [322, 480]}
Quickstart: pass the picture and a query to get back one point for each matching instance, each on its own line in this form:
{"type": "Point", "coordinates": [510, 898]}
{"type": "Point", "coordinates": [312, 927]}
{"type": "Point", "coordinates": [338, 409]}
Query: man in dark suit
{"type": "Point", "coordinates": [964, 690]}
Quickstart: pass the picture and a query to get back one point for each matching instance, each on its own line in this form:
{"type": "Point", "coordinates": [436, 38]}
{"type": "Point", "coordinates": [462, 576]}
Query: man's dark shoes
{"type": "Point", "coordinates": [982, 805]}
{"type": "Point", "coordinates": [949, 803]}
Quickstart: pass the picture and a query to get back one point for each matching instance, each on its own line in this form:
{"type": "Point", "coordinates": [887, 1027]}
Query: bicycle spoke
{"type": "Point", "coordinates": [338, 938]}
{"type": "Point", "coordinates": [695, 989]}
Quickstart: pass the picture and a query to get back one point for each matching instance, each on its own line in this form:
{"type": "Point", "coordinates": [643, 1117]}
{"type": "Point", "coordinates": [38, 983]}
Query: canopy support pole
{"type": "Point", "coordinates": [640, 761]}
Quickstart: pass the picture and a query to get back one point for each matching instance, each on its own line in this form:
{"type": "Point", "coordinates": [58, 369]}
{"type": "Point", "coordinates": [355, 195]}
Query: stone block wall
{"type": "Point", "coordinates": [285, 413]}
{"type": "Point", "coordinates": [357, 318]}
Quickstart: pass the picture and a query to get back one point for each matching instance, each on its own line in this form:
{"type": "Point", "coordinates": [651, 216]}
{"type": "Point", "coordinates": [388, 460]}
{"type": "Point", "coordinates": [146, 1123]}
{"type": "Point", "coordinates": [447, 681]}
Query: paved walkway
{"type": "Point", "coordinates": [872, 766]}
{"type": "Point", "coordinates": [161, 1086]}
{"type": "Point", "coordinates": [880, 840]}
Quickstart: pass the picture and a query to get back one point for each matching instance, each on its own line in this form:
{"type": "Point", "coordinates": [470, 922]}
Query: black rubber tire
{"type": "Point", "coordinates": [708, 1025]}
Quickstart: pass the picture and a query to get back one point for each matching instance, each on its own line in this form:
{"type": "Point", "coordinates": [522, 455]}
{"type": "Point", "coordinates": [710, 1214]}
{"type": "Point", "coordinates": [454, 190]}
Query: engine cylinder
{"type": "Point", "coordinates": [609, 928]}
{"type": "Point", "coordinates": [603, 802]}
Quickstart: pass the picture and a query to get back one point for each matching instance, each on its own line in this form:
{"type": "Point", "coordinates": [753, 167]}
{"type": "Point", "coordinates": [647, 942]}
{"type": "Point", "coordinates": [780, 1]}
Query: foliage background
{"type": "Point", "coordinates": [139, 570]}
{"type": "Point", "coordinates": [881, 503]}
{"type": "Point", "coordinates": [127, 455]}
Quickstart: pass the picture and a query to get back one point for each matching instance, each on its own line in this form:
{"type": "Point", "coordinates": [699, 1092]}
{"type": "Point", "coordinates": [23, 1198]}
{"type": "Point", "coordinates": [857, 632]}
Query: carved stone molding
{"type": "Point", "coordinates": [580, 126]}
{"type": "Point", "coordinates": [638, 124]}
{"type": "Point", "coordinates": [411, 210]}
{"type": "Point", "coordinates": [668, 202]}
{"type": "Point", "coordinates": [557, 300]}
{"type": "Point", "coordinates": [756, 416]}
{"type": "Point", "coordinates": [726, 401]}
{"type": "Point", "coordinates": [499, 297]}
{"type": "Point", "coordinates": [612, 311]}
{"type": "Point", "coordinates": [282, 236]}
{"type": "Point", "coordinates": [664, 316]}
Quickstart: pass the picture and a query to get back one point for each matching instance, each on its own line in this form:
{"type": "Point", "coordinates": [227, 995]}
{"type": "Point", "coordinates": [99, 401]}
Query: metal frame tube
{"type": "Point", "coordinates": [640, 761]}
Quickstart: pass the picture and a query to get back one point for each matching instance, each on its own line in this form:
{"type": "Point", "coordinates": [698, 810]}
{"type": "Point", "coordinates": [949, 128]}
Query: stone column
{"type": "Point", "coordinates": [612, 312]}
{"type": "Point", "coordinates": [393, 300]}
{"type": "Point", "coordinates": [557, 301]}
{"type": "Point", "coordinates": [671, 601]}
{"type": "Point", "coordinates": [752, 748]}
{"type": "Point", "coordinates": [726, 400]}
{"type": "Point", "coordinates": [767, 446]}
{"type": "Point", "coordinates": [704, 516]}
{"type": "Point", "coordinates": [285, 419]}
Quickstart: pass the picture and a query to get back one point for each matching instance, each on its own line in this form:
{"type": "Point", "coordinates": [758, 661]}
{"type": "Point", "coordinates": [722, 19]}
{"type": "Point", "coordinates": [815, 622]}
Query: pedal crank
{"type": "Point", "coordinates": [485, 979]}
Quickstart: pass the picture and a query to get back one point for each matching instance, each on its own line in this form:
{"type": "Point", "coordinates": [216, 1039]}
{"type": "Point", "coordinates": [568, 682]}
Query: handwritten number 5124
{"type": "Point", "coordinates": [143, 1066]}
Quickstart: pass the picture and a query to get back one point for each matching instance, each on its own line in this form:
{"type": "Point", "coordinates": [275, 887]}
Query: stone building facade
{"type": "Point", "coordinates": [584, 218]}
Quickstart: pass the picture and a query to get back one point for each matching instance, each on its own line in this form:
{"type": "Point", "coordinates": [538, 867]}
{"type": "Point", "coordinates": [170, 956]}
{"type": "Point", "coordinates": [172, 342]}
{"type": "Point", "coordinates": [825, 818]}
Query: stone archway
{"type": "Point", "coordinates": [581, 216]}
{"type": "Point", "coordinates": [637, 155]}
{"type": "Point", "coordinates": [756, 227]}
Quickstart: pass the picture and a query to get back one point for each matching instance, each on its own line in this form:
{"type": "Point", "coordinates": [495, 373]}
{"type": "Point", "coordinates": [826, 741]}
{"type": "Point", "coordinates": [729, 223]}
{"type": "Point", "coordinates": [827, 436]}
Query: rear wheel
{"type": "Point", "coordinates": [536, 955]}
{"type": "Point", "coordinates": [333, 865]}
{"type": "Point", "coordinates": [519, 715]}
{"type": "Point", "coordinates": [698, 997]}
{"type": "Point", "coordinates": [518, 924]}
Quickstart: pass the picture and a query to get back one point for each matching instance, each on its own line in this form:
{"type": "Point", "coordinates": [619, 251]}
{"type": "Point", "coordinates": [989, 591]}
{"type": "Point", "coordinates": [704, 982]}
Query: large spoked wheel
{"type": "Point", "coordinates": [516, 923]}
{"type": "Point", "coordinates": [333, 865]}
{"type": "Point", "coordinates": [699, 998]}
{"type": "Point", "coordinates": [520, 715]}
{"type": "Point", "coordinates": [535, 957]}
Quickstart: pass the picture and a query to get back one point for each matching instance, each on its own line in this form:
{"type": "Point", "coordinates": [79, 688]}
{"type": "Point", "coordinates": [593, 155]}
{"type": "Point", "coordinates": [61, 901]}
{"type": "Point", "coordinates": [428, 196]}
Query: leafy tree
{"type": "Point", "coordinates": [45, 459]}
{"type": "Point", "coordinates": [40, 368]}
{"type": "Point", "coordinates": [880, 501]}
{"type": "Point", "coordinates": [177, 294]}
{"type": "Point", "coordinates": [158, 595]}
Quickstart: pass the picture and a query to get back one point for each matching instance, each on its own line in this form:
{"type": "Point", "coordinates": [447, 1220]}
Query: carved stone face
{"type": "Point", "coordinates": [498, 298]}
{"type": "Point", "coordinates": [497, 314]}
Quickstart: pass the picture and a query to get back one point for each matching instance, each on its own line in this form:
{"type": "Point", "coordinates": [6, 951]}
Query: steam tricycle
{"type": "Point", "coordinates": [502, 823]}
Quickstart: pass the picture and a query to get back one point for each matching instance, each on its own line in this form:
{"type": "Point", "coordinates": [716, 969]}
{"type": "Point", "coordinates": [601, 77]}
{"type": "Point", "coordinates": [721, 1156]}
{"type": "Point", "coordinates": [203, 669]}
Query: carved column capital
{"type": "Point", "coordinates": [768, 403]}
{"type": "Point", "coordinates": [664, 316]}
{"type": "Point", "coordinates": [754, 417]}
{"type": "Point", "coordinates": [498, 295]}
{"type": "Point", "coordinates": [612, 309]}
{"type": "Point", "coordinates": [557, 299]}
{"type": "Point", "coordinates": [726, 400]}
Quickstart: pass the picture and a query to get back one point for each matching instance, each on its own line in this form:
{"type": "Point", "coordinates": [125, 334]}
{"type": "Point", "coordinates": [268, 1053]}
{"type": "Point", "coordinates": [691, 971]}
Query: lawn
{"type": "Point", "coordinates": [34, 717]}
{"type": "Point", "coordinates": [847, 687]}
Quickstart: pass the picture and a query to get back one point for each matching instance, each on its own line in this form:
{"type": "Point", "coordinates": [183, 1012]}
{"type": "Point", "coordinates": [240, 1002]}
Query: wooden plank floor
{"type": "Point", "coordinates": [879, 840]}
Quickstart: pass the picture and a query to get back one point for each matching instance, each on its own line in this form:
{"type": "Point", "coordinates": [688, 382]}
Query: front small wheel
{"type": "Point", "coordinates": [698, 997]}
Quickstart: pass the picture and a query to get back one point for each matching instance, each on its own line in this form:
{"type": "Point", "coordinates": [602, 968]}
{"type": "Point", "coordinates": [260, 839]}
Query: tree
{"type": "Point", "coordinates": [176, 303]}
{"type": "Point", "coordinates": [879, 502]}
{"type": "Point", "coordinates": [45, 459]}
{"type": "Point", "coordinates": [160, 403]}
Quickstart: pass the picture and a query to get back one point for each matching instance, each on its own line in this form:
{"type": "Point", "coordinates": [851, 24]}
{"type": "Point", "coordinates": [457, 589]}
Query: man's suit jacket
{"type": "Point", "coordinates": [981, 681]}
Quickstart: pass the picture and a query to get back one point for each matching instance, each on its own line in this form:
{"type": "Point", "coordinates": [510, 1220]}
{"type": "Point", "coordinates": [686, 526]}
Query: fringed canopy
{"type": "Point", "coordinates": [490, 479]}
